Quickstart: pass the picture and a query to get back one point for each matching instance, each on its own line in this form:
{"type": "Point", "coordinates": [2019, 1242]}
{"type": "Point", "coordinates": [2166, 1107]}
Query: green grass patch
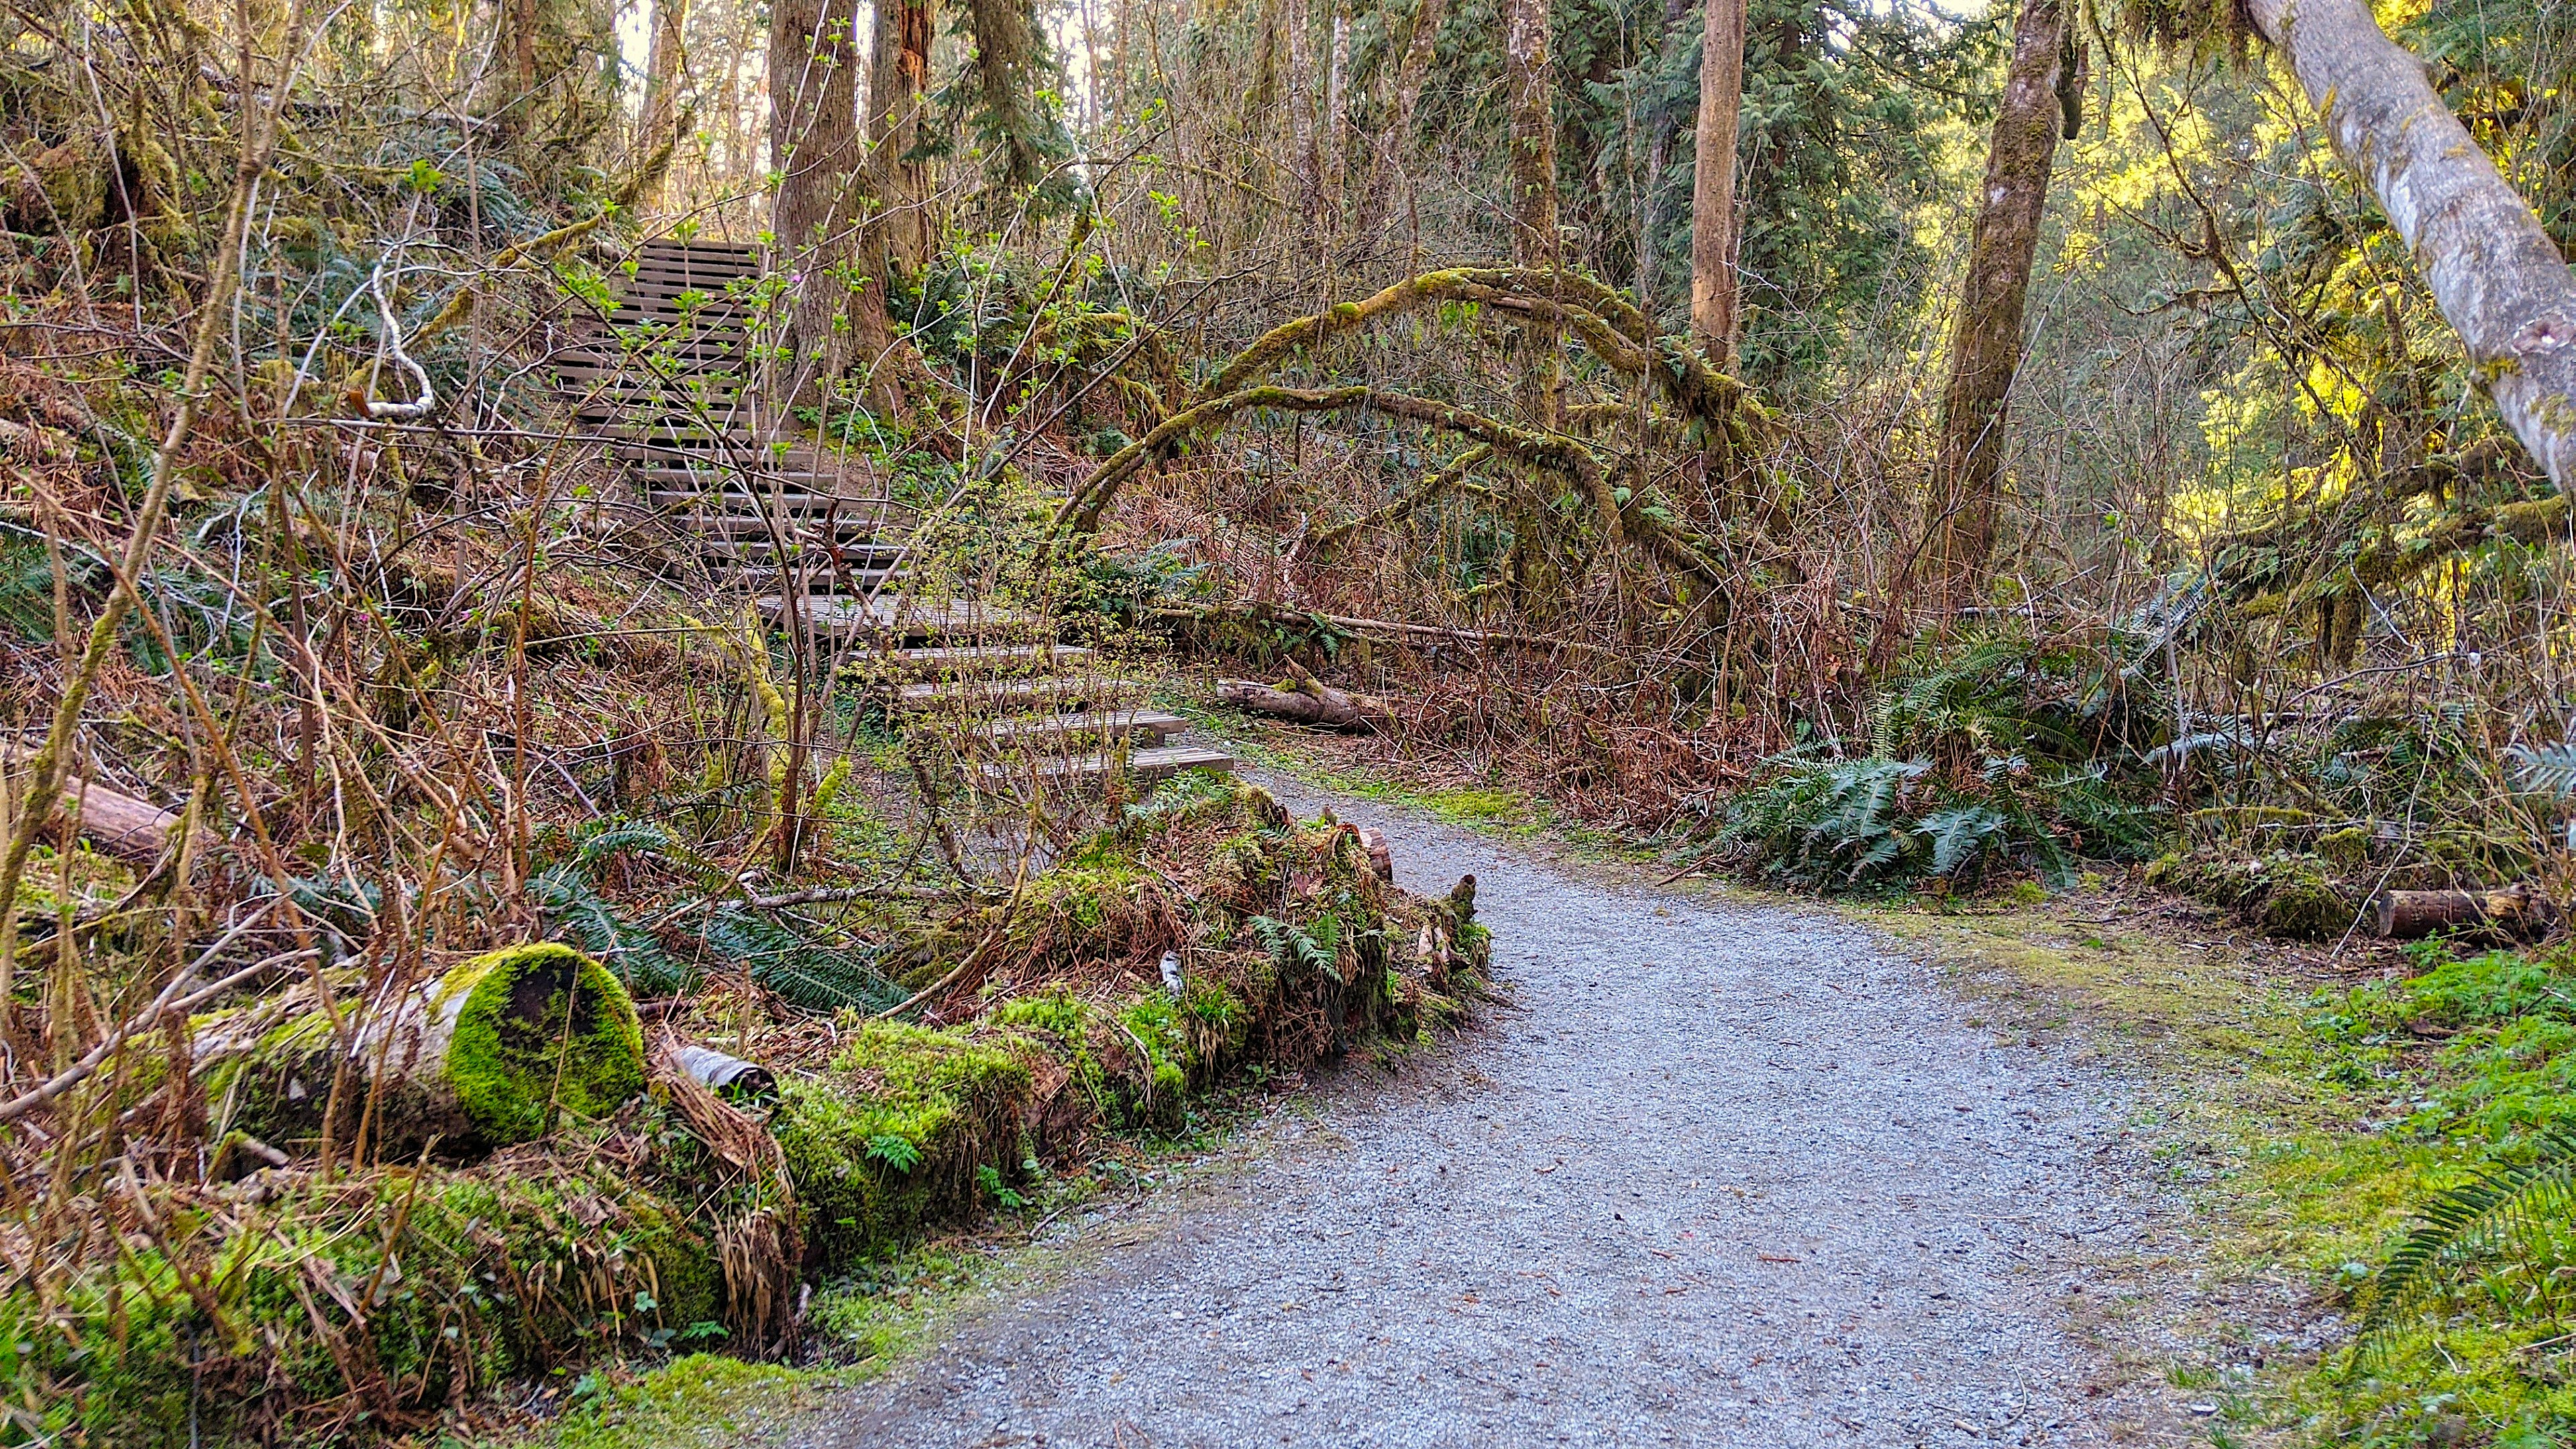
{"type": "Point", "coordinates": [2310, 1126]}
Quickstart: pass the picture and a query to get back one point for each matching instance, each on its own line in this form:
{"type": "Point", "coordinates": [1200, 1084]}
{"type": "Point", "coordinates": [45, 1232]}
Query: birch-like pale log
{"type": "Point", "coordinates": [2493, 271]}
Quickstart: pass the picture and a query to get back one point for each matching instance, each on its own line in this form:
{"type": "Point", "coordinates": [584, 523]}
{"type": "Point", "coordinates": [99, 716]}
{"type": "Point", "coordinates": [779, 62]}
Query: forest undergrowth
{"type": "Point", "coordinates": [395, 789]}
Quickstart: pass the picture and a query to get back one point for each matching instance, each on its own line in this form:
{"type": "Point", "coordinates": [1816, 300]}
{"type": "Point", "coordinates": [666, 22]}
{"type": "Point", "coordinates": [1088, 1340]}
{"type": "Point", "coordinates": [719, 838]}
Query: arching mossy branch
{"type": "Point", "coordinates": [1552, 451]}
{"type": "Point", "coordinates": [1606, 322]}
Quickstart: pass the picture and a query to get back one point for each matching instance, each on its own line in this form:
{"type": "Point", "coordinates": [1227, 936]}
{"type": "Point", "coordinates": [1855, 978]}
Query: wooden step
{"type": "Point", "coordinates": [949, 662]}
{"type": "Point", "coordinates": [728, 529]}
{"type": "Point", "coordinates": [758, 505]}
{"type": "Point", "coordinates": [819, 582]}
{"type": "Point", "coordinates": [906, 618]}
{"type": "Point", "coordinates": [675, 292]}
{"type": "Point", "coordinates": [669, 347]}
{"type": "Point", "coordinates": [1150, 727]}
{"type": "Point", "coordinates": [668, 438]}
{"type": "Point", "coordinates": [642, 379]}
{"type": "Point", "coordinates": [746, 462]}
{"type": "Point", "coordinates": [696, 256]}
{"type": "Point", "coordinates": [747, 252]}
{"type": "Point", "coordinates": [681, 307]}
{"type": "Point", "coordinates": [676, 413]}
{"type": "Point", "coordinates": [649, 263]}
{"type": "Point", "coordinates": [1142, 765]}
{"type": "Point", "coordinates": [812, 552]}
{"type": "Point", "coordinates": [1018, 694]}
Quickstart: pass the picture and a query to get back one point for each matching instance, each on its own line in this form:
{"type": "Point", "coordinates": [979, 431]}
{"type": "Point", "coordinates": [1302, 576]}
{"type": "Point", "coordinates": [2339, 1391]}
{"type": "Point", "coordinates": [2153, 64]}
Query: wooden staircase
{"type": "Point", "coordinates": [818, 542]}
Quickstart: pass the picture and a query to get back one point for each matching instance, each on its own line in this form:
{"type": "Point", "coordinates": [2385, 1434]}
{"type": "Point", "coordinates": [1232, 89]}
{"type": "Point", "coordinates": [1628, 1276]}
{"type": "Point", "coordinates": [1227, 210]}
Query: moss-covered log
{"type": "Point", "coordinates": [1296, 948]}
{"type": "Point", "coordinates": [503, 1048]}
{"type": "Point", "coordinates": [384, 1297]}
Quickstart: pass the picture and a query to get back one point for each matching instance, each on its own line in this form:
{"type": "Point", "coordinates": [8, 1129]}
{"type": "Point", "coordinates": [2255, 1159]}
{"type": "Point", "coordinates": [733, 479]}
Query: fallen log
{"type": "Point", "coordinates": [2517, 911]}
{"type": "Point", "coordinates": [503, 1048]}
{"type": "Point", "coordinates": [132, 830]}
{"type": "Point", "coordinates": [1308, 700]}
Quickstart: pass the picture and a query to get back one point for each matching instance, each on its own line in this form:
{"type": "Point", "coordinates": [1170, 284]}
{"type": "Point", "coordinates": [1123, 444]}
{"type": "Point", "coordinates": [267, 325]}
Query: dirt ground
{"type": "Point", "coordinates": [1709, 1173]}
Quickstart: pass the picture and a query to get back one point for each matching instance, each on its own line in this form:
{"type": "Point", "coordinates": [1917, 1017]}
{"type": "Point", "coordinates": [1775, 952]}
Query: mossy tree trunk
{"type": "Point", "coordinates": [1713, 228]}
{"type": "Point", "coordinates": [898, 90]}
{"type": "Point", "coordinates": [816, 147]}
{"type": "Point", "coordinates": [1985, 347]}
{"type": "Point", "coordinates": [654, 129]}
{"type": "Point", "coordinates": [502, 1049]}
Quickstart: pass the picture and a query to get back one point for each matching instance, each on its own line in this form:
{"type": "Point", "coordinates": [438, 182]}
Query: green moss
{"type": "Point", "coordinates": [699, 1400]}
{"type": "Point", "coordinates": [954, 1102]}
{"type": "Point", "coordinates": [543, 1030]}
{"type": "Point", "coordinates": [495, 1273]}
{"type": "Point", "coordinates": [95, 880]}
{"type": "Point", "coordinates": [2280, 893]}
{"type": "Point", "coordinates": [2304, 906]}
{"type": "Point", "coordinates": [2346, 849]}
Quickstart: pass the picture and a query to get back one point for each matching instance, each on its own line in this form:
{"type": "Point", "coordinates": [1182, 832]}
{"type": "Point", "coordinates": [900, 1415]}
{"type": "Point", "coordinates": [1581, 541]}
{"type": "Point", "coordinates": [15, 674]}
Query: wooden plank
{"type": "Point", "coordinates": [848, 532]}
{"type": "Point", "coordinates": [905, 618]}
{"type": "Point", "coordinates": [1151, 726]}
{"type": "Point", "coordinates": [756, 504]}
{"type": "Point", "coordinates": [1012, 693]}
{"type": "Point", "coordinates": [953, 661]}
{"type": "Point", "coordinates": [813, 553]}
{"type": "Point", "coordinates": [736, 253]}
{"type": "Point", "coordinates": [818, 582]}
{"type": "Point", "coordinates": [1142, 765]}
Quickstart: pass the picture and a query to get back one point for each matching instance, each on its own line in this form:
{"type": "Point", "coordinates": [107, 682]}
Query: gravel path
{"type": "Point", "coordinates": [1721, 1174]}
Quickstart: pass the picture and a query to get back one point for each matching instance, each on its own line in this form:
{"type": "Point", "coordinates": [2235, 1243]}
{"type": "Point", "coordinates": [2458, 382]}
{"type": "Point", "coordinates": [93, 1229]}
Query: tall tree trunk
{"type": "Point", "coordinates": [814, 145]}
{"type": "Point", "coordinates": [661, 90]}
{"type": "Point", "coordinates": [521, 102]}
{"type": "Point", "coordinates": [740, 165]}
{"type": "Point", "coordinates": [1302, 153]}
{"type": "Point", "coordinates": [897, 90]}
{"type": "Point", "coordinates": [1985, 349]}
{"type": "Point", "coordinates": [1397, 138]}
{"type": "Point", "coordinates": [1333, 133]}
{"type": "Point", "coordinates": [1533, 183]}
{"type": "Point", "coordinates": [2493, 271]}
{"type": "Point", "coordinates": [1713, 225]}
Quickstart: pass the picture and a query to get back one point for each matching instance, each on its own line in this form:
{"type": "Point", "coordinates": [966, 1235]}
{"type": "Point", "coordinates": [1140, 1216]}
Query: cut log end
{"type": "Point", "coordinates": [503, 1048]}
{"type": "Point", "coordinates": [2516, 911]}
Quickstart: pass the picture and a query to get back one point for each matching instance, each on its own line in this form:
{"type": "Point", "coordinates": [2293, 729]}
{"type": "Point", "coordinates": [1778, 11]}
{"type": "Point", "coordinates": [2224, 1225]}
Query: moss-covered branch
{"type": "Point", "coordinates": [1606, 322]}
{"type": "Point", "coordinates": [1553, 451]}
{"type": "Point", "coordinates": [1435, 485]}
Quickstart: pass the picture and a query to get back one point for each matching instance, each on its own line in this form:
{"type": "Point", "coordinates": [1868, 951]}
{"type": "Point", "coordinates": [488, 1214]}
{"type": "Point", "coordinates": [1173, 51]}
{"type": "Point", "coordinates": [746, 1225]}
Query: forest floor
{"type": "Point", "coordinates": [1713, 1169]}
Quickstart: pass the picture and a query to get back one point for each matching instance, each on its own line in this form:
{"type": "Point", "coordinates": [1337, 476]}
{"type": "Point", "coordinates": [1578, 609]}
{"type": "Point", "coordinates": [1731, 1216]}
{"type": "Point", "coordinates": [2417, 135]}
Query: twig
{"type": "Point", "coordinates": [1009, 908]}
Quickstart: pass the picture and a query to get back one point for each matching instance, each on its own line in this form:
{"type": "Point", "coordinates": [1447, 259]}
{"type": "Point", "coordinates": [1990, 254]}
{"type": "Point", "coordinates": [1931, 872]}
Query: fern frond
{"type": "Point", "coordinates": [808, 973]}
{"type": "Point", "coordinates": [571, 907]}
{"type": "Point", "coordinates": [2506, 1211]}
{"type": "Point", "coordinates": [604, 839]}
{"type": "Point", "coordinates": [2545, 769]}
{"type": "Point", "coordinates": [1958, 836]}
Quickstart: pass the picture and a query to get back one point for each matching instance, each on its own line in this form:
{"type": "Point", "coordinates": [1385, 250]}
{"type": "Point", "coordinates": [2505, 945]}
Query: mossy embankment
{"type": "Point", "coordinates": [643, 1218]}
{"type": "Point", "coordinates": [1289, 949]}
